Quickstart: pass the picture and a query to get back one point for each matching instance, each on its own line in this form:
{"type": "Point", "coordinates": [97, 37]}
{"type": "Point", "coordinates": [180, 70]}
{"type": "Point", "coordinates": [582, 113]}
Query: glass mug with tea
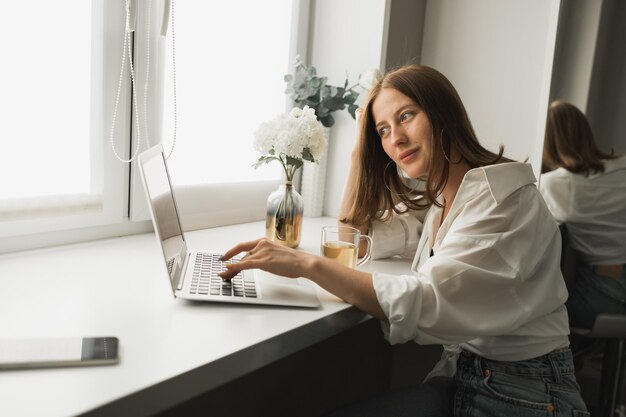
{"type": "Point", "coordinates": [341, 244]}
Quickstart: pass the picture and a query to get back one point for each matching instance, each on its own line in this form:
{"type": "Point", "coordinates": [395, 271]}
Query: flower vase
{"type": "Point", "coordinates": [283, 223]}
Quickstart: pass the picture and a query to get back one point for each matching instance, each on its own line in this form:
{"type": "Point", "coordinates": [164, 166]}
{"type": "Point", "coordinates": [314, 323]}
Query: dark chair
{"type": "Point", "coordinates": [612, 328]}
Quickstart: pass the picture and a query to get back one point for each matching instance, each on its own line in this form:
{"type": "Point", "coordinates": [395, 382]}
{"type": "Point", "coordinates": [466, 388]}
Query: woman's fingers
{"type": "Point", "coordinates": [241, 247]}
{"type": "Point", "coordinates": [245, 263]}
{"type": "Point", "coordinates": [265, 255]}
{"type": "Point", "coordinates": [234, 268]}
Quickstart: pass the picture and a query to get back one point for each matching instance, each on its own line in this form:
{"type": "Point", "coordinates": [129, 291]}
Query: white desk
{"type": "Point", "coordinates": [171, 350]}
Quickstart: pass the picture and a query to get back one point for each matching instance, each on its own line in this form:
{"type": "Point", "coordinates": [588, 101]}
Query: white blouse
{"type": "Point", "coordinates": [594, 209]}
{"type": "Point", "coordinates": [493, 287]}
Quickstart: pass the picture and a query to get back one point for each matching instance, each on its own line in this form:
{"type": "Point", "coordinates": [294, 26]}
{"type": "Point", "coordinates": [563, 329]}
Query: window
{"type": "Point", "coordinates": [230, 61]}
{"type": "Point", "coordinates": [46, 92]}
{"type": "Point", "coordinates": [231, 58]}
{"type": "Point", "coordinates": [57, 101]}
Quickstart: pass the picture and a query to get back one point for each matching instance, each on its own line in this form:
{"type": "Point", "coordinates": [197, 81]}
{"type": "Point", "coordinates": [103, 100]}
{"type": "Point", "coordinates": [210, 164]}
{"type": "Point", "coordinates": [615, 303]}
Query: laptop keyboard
{"type": "Point", "coordinates": [206, 281]}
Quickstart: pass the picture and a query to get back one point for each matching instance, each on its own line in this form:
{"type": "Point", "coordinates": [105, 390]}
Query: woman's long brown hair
{"type": "Point", "coordinates": [569, 141]}
{"type": "Point", "coordinates": [380, 188]}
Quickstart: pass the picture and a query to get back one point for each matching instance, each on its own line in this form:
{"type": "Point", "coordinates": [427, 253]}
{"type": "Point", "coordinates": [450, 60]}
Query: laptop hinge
{"type": "Point", "coordinates": [183, 272]}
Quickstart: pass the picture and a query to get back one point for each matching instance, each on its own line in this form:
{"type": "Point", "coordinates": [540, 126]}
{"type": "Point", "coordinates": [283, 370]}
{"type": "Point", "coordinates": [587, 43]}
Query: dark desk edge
{"type": "Point", "coordinates": [174, 391]}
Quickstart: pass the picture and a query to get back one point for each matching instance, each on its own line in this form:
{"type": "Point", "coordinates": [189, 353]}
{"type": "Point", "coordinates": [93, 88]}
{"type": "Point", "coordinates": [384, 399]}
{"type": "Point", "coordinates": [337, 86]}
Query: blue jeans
{"type": "Point", "coordinates": [543, 386]}
{"type": "Point", "coordinates": [595, 294]}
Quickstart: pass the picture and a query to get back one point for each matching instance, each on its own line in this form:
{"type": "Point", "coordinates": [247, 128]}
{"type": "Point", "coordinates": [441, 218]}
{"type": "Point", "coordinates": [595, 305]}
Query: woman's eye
{"type": "Point", "coordinates": [383, 131]}
{"type": "Point", "coordinates": [405, 116]}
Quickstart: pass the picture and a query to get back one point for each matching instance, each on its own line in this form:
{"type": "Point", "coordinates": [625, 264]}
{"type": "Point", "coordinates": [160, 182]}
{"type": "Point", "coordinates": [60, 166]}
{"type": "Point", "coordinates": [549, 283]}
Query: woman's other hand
{"type": "Point", "coordinates": [358, 113]}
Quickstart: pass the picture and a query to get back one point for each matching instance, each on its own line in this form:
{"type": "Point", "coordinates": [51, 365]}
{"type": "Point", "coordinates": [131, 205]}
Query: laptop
{"type": "Point", "coordinates": [193, 273]}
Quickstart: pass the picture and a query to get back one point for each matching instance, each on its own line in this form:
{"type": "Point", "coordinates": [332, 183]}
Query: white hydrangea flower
{"type": "Point", "coordinates": [296, 111]}
{"type": "Point", "coordinates": [292, 135]}
{"type": "Point", "coordinates": [309, 112]}
{"type": "Point", "coordinates": [265, 135]}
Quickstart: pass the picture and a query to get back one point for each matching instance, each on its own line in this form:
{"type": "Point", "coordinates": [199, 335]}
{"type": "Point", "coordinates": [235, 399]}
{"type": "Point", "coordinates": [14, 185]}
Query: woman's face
{"type": "Point", "coordinates": [404, 130]}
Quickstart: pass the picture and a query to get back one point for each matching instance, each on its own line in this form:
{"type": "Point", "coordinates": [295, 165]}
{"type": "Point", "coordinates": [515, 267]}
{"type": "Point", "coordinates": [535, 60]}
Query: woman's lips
{"type": "Point", "coordinates": [407, 155]}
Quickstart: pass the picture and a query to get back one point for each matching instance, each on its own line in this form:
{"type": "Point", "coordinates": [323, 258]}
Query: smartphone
{"type": "Point", "coordinates": [56, 352]}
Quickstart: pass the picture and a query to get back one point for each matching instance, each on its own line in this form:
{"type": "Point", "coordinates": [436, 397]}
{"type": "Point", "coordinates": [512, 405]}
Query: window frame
{"type": "Point", "coordinates": [48, 220]}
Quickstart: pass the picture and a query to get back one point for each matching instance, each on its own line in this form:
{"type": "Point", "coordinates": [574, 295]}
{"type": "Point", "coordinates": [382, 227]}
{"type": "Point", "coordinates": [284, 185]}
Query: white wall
{"type": "Point", "coordinates": [347, 36]}
{"type": "Point", "coordinates": [498, 54]}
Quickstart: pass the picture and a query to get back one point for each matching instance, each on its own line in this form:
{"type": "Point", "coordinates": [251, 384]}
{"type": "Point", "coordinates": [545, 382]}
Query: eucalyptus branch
{"type": "Point", "coordinates": [306, 88]}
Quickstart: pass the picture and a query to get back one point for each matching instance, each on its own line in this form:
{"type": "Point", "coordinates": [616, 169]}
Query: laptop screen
{"type": "Point", "coordinates": [164, 211]}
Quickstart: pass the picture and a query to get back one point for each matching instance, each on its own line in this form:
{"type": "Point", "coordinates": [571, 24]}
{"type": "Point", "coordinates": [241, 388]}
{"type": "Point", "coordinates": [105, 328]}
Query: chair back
{"type": "Point", "coordinates": [570, 259]}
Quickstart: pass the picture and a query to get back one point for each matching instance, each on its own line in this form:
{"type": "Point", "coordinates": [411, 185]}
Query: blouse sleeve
{"type": "Point", "coordinates": [493, 272]}
{"type": "Point", "coordinates": [397, 236]}
{"type": "Point", "coordinates": [556, 191]}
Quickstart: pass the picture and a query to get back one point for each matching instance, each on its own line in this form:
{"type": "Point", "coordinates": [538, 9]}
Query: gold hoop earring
{"type": "Point", "coordinates": [385, 176]}
{"type": "Point", "coordinates": [443, 149]}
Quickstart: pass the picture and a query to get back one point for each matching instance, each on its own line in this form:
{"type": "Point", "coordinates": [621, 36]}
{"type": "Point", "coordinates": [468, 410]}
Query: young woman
{"type": "Point", "coordinates": [586, 190]}
{"type": "Point", "coordinates": [485, 279]}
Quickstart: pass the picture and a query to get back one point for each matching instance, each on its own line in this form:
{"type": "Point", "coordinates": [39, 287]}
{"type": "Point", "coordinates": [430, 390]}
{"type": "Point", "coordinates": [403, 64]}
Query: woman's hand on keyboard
{"type": "Point", "coordinates": [268, 256]}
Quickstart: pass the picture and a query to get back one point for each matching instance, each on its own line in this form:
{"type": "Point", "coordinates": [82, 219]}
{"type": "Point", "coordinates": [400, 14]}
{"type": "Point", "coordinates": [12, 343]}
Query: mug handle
{"type": "Point", "coordinates": [368, 252]}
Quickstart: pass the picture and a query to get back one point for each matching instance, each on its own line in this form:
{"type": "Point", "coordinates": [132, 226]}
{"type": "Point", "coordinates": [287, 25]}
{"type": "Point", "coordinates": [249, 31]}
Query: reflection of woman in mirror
{"type": "Point", "coordinates": [586, 189]}
{"type": "Point", "coordinates": [485, 280]}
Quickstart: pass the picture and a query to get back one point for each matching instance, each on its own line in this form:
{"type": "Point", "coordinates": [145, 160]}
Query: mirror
{"type": "Point", "coordinates": [590, 66]}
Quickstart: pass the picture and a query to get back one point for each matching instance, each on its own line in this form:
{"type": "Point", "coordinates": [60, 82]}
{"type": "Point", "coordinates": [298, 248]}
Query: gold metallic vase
{"type": "Point", "coordinates": [283, 223]}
